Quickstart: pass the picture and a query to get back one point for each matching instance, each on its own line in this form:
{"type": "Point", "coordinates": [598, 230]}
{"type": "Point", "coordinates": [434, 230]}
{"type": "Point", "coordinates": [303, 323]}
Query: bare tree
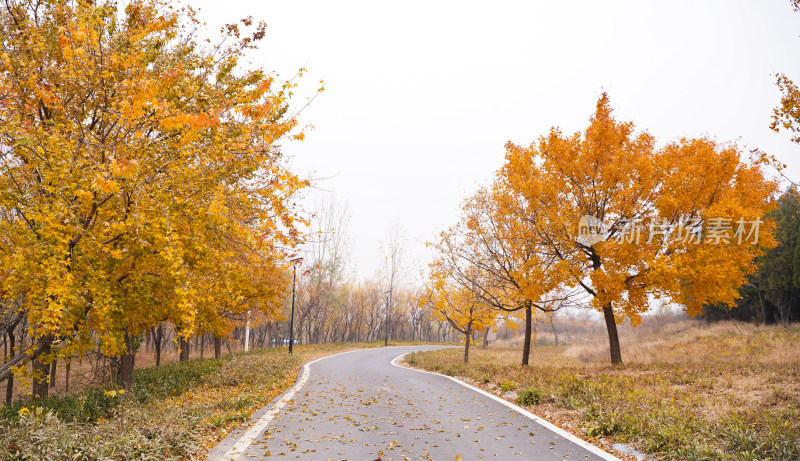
{"type": "Point", "coordinates": [327, 257]}
{"type": "Point", "coordinates": [395, 267]}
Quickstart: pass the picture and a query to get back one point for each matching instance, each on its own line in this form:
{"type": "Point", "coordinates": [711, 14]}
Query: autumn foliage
{"type": "Point", "coordinates": [501, 260]}
{"type": "Point", "coordinates": [463, 308]}
{"type": "Point", "coordinates": [141, 176]}
{"type": "Point", "coordinates": [681, 223]}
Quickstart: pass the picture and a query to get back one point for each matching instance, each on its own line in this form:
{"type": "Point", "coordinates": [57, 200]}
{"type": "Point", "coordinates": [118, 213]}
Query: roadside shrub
{"type": "Point", "coordinates": [599, 423]}
{"type": "Point", "coordinates": [507, 386]}
{"type": "Point", "coordinates": [83, 407]}
{"type": "Point", "coordinates": [40, 434]}
{"type": "Point", "coordinates": [530, 396]}
{"type": "Point", "coordinates": [172, 379]}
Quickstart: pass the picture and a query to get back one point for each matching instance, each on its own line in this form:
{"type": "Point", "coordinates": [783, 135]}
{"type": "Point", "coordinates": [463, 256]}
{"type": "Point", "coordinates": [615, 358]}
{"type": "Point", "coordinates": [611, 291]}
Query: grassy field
{"type": "Point", "coordinates": [175, 411]}
{"type": "Point", "coordinates": [686, 390]}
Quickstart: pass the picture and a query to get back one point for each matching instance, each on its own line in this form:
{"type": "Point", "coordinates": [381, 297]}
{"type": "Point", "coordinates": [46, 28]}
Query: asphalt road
{"type": "Point", "coordinates": [358, 406]}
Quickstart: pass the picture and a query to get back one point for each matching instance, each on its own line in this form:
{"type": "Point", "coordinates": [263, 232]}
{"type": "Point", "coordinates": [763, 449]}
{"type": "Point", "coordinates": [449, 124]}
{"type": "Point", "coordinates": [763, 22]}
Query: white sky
{"type": "Point", "coordinates": [421, 96]}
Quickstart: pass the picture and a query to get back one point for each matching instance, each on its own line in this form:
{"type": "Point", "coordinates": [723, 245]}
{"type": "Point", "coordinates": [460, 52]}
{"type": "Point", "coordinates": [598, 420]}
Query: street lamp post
{"type": "Point", "coordinates": [291, 321]}
{"type": "Point", "coordinates": [386, 336]}
{"type": "Point", "coordinates": [247, 333]}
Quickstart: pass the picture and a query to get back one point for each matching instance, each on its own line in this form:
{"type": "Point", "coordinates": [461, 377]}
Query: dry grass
{"type": "Point", "coordinates": [659, 343]}
{"type": "Point", "coordinates": [686, 391]}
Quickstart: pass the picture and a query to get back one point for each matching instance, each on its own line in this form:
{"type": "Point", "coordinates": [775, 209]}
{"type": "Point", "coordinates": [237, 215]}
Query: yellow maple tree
{"type": "Point", "coordinates": [461, 306]}
{"type": "Point", "coordinates": [141, 176]}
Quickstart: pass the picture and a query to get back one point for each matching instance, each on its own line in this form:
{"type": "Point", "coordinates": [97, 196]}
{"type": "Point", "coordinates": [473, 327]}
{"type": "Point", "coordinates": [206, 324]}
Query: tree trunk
{"type": "Point", "coordinates": [40, 385]}
{"type": "Point", "coordinates": [9, 389]}
{"type": "Point", "coordinates": [184, 343]}
{"type": "Point", "coordinates": [526, 348]}
{"type": "Point", "coordinates": [41, 369]}
{"type": "Point", "coordinates": [53, 370]}
{"type": "Point", "coordinates": [217, 347]}
{"type": "Point", "coordinates": [555, 334]}
{"type": "Point", "coordinates": [486, 337]}
{"type": "Point", "coordinates": [157, 345]}
{"type": "Point", "coordinates": [158, 336]}
{"type": "Point", "coordinates": [66, 377]}
{"type": "Point", "coordinates": [467, 340]}
{"type": "Point", "coordinates": [10, 384]}
{"type": "Point", "coordinates": [102, 368]}
{"type": "Point", "coordinates": [126, 363]}
{"type": "Point", "coordinates": [613, 338]}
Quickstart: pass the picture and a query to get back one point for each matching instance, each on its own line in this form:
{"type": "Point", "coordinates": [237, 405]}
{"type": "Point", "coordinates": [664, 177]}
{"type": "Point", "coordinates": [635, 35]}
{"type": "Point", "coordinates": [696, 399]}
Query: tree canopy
{"type": "Point", "coordinates": [608, 219]}
{"type": "Point", "coordinates": [142, 178]}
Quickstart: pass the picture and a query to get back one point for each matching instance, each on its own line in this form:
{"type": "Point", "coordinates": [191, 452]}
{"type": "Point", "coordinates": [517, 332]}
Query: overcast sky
{"type": "Point", "coordinates": [422, 96]}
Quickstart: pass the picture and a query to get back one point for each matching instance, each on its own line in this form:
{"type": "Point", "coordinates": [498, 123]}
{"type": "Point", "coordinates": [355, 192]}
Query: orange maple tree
{"type": "Point", "coordinates": [496, 253]}
{"type": "Point", "coordinates": [632, 222]}
{"type": "Point", "coordinates": [787, 115]}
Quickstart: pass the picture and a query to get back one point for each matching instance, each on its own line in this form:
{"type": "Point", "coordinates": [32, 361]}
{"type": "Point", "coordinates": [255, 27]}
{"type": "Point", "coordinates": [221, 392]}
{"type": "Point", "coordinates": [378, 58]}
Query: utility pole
{"type": "Point", "coordinates": [247, 333]}
{"type": "Point", "coordinates": [291, 322]}
{"type": "Point", "coordinates": [386, 336]}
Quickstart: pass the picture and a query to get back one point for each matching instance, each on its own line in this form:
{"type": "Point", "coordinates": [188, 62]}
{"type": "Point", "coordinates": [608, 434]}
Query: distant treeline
{"type": "Point", "coordinates": [773, 292]}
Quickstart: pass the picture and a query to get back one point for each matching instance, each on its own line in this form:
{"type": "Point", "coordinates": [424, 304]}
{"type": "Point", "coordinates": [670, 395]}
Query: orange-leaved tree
{"type": "Point", "coordinates": [787, 115]}
{"type": "Point", "coordinates": [141, 180]}
{"type": "Point", "coordinates": [495, 253]}
{"type": "Point", "coordinates": [462, 307]}
{"type": "Point", "coordinates": [633, 222]}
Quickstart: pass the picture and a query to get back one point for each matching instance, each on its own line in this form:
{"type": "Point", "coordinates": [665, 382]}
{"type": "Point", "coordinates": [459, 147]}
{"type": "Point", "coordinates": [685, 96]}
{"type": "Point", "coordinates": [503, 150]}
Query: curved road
{"type": "Point", "coordinates": [359, 406]}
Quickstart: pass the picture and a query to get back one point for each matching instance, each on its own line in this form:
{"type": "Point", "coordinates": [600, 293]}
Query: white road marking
{"type": "Point", "coordinates": [561, 432]}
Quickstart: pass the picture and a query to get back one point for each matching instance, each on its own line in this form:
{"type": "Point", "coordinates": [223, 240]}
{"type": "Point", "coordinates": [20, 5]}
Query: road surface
{"type": "Point", "coordinates": [359, 406]}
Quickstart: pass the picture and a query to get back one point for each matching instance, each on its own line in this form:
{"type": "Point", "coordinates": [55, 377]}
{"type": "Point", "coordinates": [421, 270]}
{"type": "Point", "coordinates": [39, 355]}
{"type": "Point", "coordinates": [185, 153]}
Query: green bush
{"type": "Point", "coordinates": [83, 407]}
{"type": "Point", "coordinates": [148, 384]}
{"type": "Point", "coordinates": [172, 379]}
{"type": "Point", "coordinates": [530, 396]}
